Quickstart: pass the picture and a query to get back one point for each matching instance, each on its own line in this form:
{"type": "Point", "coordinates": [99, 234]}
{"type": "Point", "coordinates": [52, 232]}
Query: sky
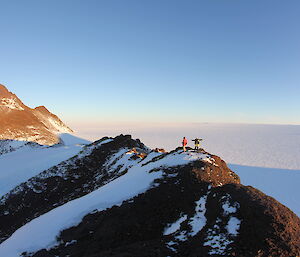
{"type": "Point", "coordinates": [155, 61]}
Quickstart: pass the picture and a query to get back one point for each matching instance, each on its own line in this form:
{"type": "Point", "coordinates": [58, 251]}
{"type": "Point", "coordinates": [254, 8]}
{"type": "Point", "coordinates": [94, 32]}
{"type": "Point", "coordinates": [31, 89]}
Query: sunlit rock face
{"type": "Point", "coordinates": [19, 122]}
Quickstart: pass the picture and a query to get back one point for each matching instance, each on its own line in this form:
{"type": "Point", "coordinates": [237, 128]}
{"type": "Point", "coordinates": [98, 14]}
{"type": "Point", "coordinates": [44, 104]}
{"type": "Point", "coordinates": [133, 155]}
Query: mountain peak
{"type": "Point", "coordinates": [3, 88]}
{"type": "Point", "coordinates": [41, 108]}
{"type": "Point", "coordinates": [19, 122]}
{"type": "Point", "coordinates": [5, 93]}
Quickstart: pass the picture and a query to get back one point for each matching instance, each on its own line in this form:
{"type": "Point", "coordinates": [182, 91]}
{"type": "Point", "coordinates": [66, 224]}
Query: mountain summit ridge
{"type": "Point", "coordinates": [20, 122]}
{"type": "Point", "coordinates": [3, 88]}
{"type": "Point", "coordinates": [119, 198]}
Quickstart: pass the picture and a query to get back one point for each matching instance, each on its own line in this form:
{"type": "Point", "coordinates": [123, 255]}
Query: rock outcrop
{"type": "Point", "coordinates": [19, 122]}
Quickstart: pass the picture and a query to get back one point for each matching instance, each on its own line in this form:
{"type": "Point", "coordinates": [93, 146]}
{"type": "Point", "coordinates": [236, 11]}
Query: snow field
{"type": "Point", "coordinates": [28, 161]}
{"type": "Point", "coordinates": [282, 184]}
{"type": "Point", "coordinates": [19, 166]}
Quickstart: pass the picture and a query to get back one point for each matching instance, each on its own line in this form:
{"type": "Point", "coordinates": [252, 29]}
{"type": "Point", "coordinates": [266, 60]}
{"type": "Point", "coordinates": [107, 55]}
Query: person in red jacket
{"type": "Point", "coordinates": [184, 143]}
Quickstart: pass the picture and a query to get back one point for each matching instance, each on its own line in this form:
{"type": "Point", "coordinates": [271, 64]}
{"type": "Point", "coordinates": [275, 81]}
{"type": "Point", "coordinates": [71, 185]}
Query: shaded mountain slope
{"type": "Point", "coordinates": [119, 198]}
{"type": "Point", "coordinates": [71, 179]}
{"type": "Point", "coordinates": [9, 145]}
{"type": "Point", "coordinates": [21, 160]}
{"type": "Point", "coordinates": [182, 216]}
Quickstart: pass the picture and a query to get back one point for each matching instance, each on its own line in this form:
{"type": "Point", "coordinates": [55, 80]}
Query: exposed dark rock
{"type": "Point", "coordinates": [195, 209]}
{"type": "Point", "coordinates": [136, 228]}
{"type": "Point", "coordinates": [69, 180]}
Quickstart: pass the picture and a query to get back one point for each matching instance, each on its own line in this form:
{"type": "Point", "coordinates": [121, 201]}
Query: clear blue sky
{"type": "Point", "coordinates": [158, 60]}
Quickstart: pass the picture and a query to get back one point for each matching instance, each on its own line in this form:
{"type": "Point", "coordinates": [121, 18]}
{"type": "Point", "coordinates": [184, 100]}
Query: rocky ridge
{"type": "Point", "coordinates": [194, 206]}
{"type": "Point", "coordinates": [19, 122]}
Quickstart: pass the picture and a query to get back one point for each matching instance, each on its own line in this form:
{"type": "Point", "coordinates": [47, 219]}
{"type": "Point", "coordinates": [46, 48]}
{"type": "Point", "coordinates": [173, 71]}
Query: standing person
{"type": "Point", "coordinates": [197, 143]}
{"type": "Point", "coordinates": [184, 143]}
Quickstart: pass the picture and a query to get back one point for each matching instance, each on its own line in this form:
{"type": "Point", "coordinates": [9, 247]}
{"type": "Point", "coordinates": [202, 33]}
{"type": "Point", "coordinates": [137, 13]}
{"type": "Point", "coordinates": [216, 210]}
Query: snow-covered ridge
{"type": "Point", "coordinates": [76, 177]}
{"type": "Point", "coordinates": [144, 169]}
{"type": "Point", "coordinates": [177, 191]}
{"type": "Point", "coordinates": [7, 146]}
{"type": "Point", "coordinates": [22, 160]}
{"type": "Point", "coordinates": [58, 170]}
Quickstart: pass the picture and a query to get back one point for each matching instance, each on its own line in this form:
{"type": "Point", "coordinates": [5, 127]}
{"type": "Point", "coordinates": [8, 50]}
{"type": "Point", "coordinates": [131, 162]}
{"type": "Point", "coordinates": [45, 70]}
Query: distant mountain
{"type": "Point", "coordinates": [19, 122]}
{"type": "Point", "coordinates": [119, 198]}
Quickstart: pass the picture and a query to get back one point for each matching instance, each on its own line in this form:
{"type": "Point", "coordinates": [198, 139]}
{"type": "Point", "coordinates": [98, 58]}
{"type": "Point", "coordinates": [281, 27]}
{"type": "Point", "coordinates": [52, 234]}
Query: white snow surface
{"type": "Point", "coordinates": [227, 207]}
{"type": "Point", "coordinates": [25, 162]}
{"type": "Point", "coordinates": [175, 226]}
{"type": "Point", "coordinates": [72, 139]}
{"type": "Point", "coordinates": [37, 234]}
{"type": "Point", "coordinates": [14, 143]}
{"type": "Point", "coordinates": [9, 145]}
{"type": "Point", "coordinates": [282, 184]}
{"type": "Point", "coordinates": [199, 220]}
{"type": "Point", "coordinates": [233, 226]}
